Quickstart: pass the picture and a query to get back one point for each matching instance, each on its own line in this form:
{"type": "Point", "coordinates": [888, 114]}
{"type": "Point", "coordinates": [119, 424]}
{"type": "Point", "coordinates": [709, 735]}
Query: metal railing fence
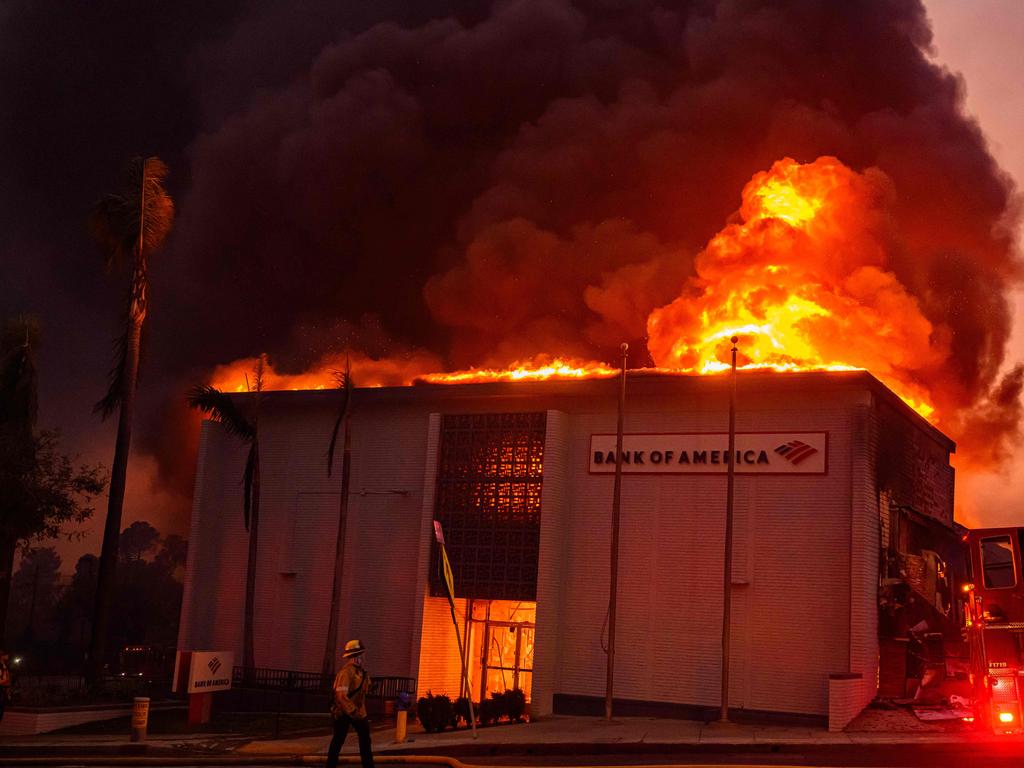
{"type": "Point", "coordinates": [60, 690]}
{"type": "Point", "coordinates": [263, 689]}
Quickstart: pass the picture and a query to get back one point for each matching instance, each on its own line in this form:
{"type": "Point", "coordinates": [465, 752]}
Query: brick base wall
{"type": "Point", "coordinates": [845, 699]}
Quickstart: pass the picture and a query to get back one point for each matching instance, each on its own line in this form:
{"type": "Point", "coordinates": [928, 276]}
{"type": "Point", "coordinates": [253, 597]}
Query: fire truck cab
{"type": "Point", "coordinates": [994, 626]}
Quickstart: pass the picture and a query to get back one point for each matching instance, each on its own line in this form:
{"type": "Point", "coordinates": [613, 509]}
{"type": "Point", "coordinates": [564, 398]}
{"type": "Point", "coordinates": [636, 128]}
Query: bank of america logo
{"type": "Point", "coordinates": [214, 665]}
{"type": "Point", "coordinates": [796, 451]}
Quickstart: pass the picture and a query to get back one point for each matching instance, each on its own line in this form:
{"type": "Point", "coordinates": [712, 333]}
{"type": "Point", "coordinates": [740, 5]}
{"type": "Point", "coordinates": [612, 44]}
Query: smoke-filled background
{"type": "Point", "coordinates": [449, 184]}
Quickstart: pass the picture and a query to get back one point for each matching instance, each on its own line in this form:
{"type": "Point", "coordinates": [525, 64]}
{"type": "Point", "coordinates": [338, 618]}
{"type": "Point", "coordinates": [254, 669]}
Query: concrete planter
{"type": "Point", "coordinates": [27, 721]}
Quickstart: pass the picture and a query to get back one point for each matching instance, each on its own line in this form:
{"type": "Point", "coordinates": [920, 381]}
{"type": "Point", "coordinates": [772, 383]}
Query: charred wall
{"type": "Point", "coordinates": [913, 466]}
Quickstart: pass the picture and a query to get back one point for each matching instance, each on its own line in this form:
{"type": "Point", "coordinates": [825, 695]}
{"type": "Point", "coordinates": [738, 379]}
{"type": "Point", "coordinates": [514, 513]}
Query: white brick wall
{"type": "Point", "coordinates": [214, 594]}
{"type": "Point", "coordinates": [791, 544]}
{"type": "Point", "coordinates": [440, 671]}
{"type": "Point", "coordinates": [26, 722]}
{"type": "Point", "coordinates": [865, 542]}
{"type": "Point", "coordinates": [552, 623]}
{"type": "Point", "coordinates": [298, 525]}
{"type": "Point", "coordinates": [804, 569]}
{"type": "Point", "coordinates": [844, 700]}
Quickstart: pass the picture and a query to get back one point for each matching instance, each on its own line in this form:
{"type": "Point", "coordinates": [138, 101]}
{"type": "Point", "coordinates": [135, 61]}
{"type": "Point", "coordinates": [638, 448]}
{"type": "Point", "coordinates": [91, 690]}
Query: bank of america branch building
{"type": "Point", "coordinates": [520, 476]}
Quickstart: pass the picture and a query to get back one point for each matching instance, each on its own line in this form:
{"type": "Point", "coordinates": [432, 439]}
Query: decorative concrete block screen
{"type": "Point", "coordinates": [489, 479]}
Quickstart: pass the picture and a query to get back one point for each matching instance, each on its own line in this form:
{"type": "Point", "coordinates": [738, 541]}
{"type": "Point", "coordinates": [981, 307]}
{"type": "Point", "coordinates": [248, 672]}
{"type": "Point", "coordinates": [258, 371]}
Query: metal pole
{"type": "Point", "coordinates": [616, 498]}
{"type": "Point", "coordinates": [727, 571]}
{"type": "Point", "coordinates": [465, 676]}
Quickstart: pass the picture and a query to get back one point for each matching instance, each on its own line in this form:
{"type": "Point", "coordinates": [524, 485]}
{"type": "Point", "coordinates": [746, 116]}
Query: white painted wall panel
{"type": "Point", "coordinates": [804, 568]}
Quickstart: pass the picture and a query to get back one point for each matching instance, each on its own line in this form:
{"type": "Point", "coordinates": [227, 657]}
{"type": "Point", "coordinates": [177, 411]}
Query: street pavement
{"type": "Point", "coordinates": [554, 741]}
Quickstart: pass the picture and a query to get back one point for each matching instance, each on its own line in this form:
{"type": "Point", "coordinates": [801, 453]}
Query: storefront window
{"type": "Point", "coordinates": [501, 640]}
{"type": "Point", "coordinates": [489, 480]}
{"type": "Point", "coordinates": [997, 562]}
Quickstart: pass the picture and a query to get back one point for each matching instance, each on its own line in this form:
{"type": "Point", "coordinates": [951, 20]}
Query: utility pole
{"type": "Point", "coordinates": [616, 499]}
{"type": "Point", "coordinates": [727, 573]}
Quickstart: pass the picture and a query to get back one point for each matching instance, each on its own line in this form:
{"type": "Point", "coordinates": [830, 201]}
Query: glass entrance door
{"type": "Point", "coordinates": [509, 660]}
{"type": "Point", "coordinates": [501, 646]}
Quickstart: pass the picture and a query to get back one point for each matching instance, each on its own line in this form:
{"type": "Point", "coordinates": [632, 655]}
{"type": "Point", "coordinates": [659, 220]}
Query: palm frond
{"type": "Point", "coordinates": [334, 440]}
{"type": "Point", "coordinates": [222, 408]}
{"type": "Point", "coordinates": [144, 207]}
{"type": "Point", "coordinates": [127, 227]}
{"type": "Point", "coordinates": [159, 207]}
{"type": "Point", "coordinates": [116, 376]}
{"type": "Point", "coordinates": [248, 478]}
{"type": "Point", "coordinates": [344, 379]}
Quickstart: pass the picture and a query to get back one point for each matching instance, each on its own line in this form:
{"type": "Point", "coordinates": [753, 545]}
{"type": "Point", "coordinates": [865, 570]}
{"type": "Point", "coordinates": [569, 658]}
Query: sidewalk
{"type": "Point", "coordinates": [558, 735]}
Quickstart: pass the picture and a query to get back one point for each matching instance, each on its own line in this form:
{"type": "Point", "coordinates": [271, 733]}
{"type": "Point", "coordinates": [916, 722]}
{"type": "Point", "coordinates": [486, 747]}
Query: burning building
{"type": "Point", "coordinates": [520, 476]}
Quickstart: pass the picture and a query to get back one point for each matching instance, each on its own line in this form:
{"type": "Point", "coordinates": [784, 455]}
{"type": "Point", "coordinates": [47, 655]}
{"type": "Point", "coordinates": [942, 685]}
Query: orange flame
{"type": "Point", "coordinates": [540, 368]}
{"type": "Point", "coordinates": [801, 280]}
{"type": "Point", "coordinates": [800, 277]}
{"type": "Point", "coordinates": [366, 372]}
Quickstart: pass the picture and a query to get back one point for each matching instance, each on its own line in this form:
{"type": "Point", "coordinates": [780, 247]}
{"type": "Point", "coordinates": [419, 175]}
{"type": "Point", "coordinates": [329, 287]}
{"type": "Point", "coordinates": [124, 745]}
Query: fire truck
{"type": "Point", "coordinates": [993, 620]}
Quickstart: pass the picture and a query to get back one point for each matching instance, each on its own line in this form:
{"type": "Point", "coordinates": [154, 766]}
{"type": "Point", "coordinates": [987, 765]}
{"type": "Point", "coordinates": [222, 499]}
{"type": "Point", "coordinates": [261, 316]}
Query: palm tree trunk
{"type": "Point", "coordinates": [137, 307]}
{"type": "Point", "coordinates": [7, 548]}
{"type": "Point", "coordinates": [115, 501]}
{"type": "Point", "coordinates": [330, 649]}
{"type": "Point", "coordinates": [248, 653]}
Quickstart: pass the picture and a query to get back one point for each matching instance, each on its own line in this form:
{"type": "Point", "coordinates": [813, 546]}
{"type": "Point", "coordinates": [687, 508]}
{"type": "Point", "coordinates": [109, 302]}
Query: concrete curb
{"type": "Point", "coordinates": [299, 760]}
{"type": "Point", "coordinates": [175, 757]}
{"type": "Point", "coordinates": [257, 759]}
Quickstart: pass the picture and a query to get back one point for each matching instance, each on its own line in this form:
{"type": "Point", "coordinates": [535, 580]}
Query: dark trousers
{"type": "Point", "coordinates": [341, 731]}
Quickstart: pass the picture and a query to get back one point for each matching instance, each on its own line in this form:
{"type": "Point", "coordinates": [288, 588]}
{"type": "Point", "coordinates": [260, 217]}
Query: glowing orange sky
{"type": "Point", "coordinates": [981, 40]}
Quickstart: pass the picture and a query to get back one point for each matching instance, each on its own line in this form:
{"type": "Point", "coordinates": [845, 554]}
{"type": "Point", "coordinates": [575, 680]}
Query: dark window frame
{"type": "Point", "coordinates": [488, 497]}
{"type": "Point", "coordinates": [1004, 537]}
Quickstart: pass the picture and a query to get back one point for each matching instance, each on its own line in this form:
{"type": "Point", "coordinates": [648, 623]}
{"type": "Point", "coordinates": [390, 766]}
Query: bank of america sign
{"type": "Point", "coordinates": [762, 453]}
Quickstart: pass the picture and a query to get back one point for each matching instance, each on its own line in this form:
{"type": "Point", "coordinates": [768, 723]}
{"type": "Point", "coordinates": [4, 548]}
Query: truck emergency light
{"type": "Point", "coordinates": [1006, 717]}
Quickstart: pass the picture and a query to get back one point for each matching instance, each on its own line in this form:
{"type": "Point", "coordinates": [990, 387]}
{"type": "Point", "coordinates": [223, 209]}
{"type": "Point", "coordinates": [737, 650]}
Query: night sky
{"type": "Point", "coordinates": [340, 168]}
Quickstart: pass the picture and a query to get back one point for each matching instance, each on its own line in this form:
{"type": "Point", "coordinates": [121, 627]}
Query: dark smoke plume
{"type": "Point", "coordinates": [492, 181]}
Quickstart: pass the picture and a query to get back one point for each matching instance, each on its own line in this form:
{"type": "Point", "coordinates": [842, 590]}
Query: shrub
{"type": "Point", "coordinates": [489, 711]}
{"type": "Point", "coordinates": [435, 713]}
{"type": "Point", "coordinates": [461, 711]}
{"type": "Point", "coordinates": [514, 705]}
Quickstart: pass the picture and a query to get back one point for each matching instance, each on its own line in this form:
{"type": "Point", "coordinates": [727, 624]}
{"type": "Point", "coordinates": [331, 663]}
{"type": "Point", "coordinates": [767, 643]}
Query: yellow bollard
{"type": "Point", "coordinates": [140, 718]}
{"type": "Point", "coordinates": [401, 718]}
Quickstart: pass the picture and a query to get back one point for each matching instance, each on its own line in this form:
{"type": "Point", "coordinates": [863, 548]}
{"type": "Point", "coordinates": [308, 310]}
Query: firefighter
{"type": "Point", "coordinates": [351, 685]}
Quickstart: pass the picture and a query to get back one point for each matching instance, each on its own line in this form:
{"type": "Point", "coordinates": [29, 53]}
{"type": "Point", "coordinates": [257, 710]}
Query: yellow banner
{"type": "Point", "coordinates": [449, 580]}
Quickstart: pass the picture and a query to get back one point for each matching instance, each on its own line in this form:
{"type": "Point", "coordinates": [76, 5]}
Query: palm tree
{"type": "Point", "coordinates": [342, 421]}
{"type": "Point", "coordinates": [222, 408]}
{"type": "Point", "coordinates": [129, 227]}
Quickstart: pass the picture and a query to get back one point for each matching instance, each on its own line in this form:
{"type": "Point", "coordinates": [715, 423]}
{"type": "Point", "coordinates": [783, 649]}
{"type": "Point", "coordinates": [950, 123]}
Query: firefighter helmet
{"type": "Point", "coordinates": [353, 648]}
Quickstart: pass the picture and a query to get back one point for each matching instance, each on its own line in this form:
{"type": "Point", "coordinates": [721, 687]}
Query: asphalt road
{"type": "Point", "coordinates": [873, 756]}
{"type": "Point", "coordinates": [867, 756]}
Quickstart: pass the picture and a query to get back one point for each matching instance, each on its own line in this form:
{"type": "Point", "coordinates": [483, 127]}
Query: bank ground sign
{"type": "Point", "coordinates": [763, 453]}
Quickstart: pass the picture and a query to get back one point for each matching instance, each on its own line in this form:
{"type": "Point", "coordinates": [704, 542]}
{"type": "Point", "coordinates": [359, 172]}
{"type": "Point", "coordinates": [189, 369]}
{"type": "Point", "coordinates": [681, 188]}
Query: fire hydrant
{"type": "Point", "coordinates": [403, 702]}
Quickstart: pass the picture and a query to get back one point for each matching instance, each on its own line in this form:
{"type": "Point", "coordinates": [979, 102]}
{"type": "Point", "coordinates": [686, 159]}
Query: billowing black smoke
{"type": "Point", "coordinates": [483, 182]}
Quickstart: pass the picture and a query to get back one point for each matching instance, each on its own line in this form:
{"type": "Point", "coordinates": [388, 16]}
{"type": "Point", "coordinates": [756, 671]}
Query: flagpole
{"type": "Point", "coordinates": [616, 504]}
{"type": "Point", "coordinates": [445, 566]}
{"type": "Point", "coordinates": [465, 675]}
{"type": "Point", "coordinates": [727, 571]}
